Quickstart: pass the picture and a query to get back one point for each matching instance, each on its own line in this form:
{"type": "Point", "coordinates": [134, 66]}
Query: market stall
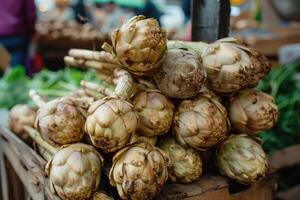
{"type": "Point", "coordinates": [138, 115]}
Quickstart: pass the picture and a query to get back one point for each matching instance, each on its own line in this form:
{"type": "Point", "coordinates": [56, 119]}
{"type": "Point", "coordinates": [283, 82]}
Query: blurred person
{"type": "Point", "coordinates": [17, 21]}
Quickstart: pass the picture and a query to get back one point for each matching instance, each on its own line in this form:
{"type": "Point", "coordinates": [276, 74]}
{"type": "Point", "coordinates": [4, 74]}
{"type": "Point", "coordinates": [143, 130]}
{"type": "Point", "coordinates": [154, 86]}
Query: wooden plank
{"type": "Point", "coordinates": [15, 186]}
{"type": "Point", "coordinates": [30, 181]}
{"type": "Point", "coordinates": [3, 174]}
{"type": "Point", "coordinates": [286, 157]}
{"type": "Point", "coordinates": [290, 194]}
{"type": "Point", "coordinates": [28, 165]}
{"type": "Point", "coordinates": [207, 187]}
{"type": "Point", "coordinates": [263, 190]}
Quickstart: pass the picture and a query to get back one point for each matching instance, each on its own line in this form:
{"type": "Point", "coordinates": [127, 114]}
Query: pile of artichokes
{"type": "Point", "coordinates": [162, 103]}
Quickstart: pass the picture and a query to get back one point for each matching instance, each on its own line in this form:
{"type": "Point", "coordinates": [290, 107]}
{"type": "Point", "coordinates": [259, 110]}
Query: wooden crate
{"type": "Point", "coordinates": [29, 167]}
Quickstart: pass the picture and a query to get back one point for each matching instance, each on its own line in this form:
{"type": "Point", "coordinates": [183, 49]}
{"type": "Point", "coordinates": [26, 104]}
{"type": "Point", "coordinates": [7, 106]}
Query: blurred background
{"type": "Point", "coordinates": [36, 35]}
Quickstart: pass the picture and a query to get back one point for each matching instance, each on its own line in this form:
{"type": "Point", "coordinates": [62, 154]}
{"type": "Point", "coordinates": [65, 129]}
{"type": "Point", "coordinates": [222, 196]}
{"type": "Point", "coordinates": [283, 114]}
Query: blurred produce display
{"type": "Point", "coordinates": [69, 34]}
{"type": "Point", "coordinates": [55, 38]}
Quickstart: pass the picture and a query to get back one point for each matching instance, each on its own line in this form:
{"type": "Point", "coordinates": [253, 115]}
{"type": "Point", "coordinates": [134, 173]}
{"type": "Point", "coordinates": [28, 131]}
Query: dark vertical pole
{"type": "Point", "coordinates": [210, 19]}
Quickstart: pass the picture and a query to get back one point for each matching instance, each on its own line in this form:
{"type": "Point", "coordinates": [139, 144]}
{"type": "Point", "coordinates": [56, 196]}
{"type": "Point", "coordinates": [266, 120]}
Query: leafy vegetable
{"type": "Point", "coordinates": [286, 90]}
{"type": "Point", "coordinates": [284, 86]}
{"type": "Point", "coordinates": [15, 84]}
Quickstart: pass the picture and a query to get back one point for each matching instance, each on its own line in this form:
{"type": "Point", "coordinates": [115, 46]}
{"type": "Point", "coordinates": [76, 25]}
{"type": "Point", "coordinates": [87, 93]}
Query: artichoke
{"type": "Point", "coordinates": [74, 171]}
{"type": "Point", "coordinates": [155, 112]}
{"type": "Point", "coordinates": [101, 196]}
{"type": "Point", "coordinates": [140, 45]}
{"type": "Point", "coordinates": [19, 116]}
{"type": "Point", "coordinates": [261, 66]}
{"type": "Point", "coordinates": [231, 67]}
{"type": "Point", "coordinates": [60, 122]}
{"type": "Point", "coordinates": [201, 122]}
{"type": "Point", "coordinates": [110, 123]}
{"type": "Point", "coordinates": [139, 171]}
{"type": "Point", "coordinates": [138, 138]}
{"type": "Point", "coordinates": [185, 162]}
{"type": "Point", "coordinates": [242, 159]}
{"type": "Point", "coordinates": [182, 74]}
{"type": "Point", "coordinates": [252, 111]}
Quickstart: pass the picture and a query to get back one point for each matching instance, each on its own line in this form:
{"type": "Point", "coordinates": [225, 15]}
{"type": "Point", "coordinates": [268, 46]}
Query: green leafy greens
{"type": "Point", "coordinates": [15, 84]}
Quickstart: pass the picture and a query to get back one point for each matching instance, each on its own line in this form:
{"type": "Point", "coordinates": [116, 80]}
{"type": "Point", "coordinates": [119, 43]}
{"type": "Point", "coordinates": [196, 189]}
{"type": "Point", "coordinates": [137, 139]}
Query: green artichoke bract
{"type": "Point", "coordinates": [155, 112]}
{"type": "Point", "coordinates": [74, 171]}
{"type": "Point", "coordinates": [252, 111]}
{"type": "Point", "coordinates": [185, 162]}
{"type": "Point", "coordinates": [200, 122]}
{"type": "Point", "coordinates": [242, 159]}
{"type": "Point", "coordinates": [139, 171]}
{"type": "Point", "coordinates": [19, 116]}
{"type": "Point", "coordinates": [110, 123]}
{"type": "Point", "coordinates": [230, 66]}
{"type": "Point", "coordinates": [60, 122]}
{"type": "Point", "coordinates": [140, 45]}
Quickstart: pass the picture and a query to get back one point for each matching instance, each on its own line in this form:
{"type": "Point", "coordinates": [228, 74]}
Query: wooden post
{"type": "Point", "coordinates": [210, 20]}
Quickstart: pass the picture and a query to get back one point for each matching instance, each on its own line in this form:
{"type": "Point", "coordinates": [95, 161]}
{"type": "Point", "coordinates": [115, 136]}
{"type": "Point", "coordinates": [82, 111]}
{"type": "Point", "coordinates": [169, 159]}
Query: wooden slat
{"type": "Point", "coordinates": [28, 165]}
{"type": "Point", "coordinates": [286, 157]}
{"type": "Point", "coordinates": [291, 194]}
{"type": "Point", "coordinates": [264, 189]}
{"type": "Point", "coordinates": [4, 183]}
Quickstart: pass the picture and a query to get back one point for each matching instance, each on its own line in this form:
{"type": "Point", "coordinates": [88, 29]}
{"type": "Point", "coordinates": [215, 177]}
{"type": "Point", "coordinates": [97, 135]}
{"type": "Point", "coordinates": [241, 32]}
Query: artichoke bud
{"type": "Point", "coordinates": [60, 122]}
{"type": "Point", "coordinates": [242, 159]}
{"type": "Point", "coordinates": [181, 75]}
{"type": "Point", "coordinates": [139, 171]}
{"type": "Point", "coordinates": [19, 116]}
{"type": "Point", "coordinates": [200, 122]}
{"type": "Point", "coordinates": [140, 45]}
{"type": "Point", "coordinates": [110, 123]}
{"type": "Point", "coordinates": [185, 162]}
{"type": "Point", "coordinates": [155, 112]}
{"type": "Point", "coordinates": [75, 171]}
{"type": "Point", "coordinates": [261, 65]}
{"type": "Point", "coordinates": [230, 66]}
{"type": "Point", "coordinates": [252, 111]}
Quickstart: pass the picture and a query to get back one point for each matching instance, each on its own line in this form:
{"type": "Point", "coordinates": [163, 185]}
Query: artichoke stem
{"type": "Point", "coordinates": [44, 153]}
{"type": "Point", "coordinates": [199, 47]}
{"type": "Point", "coordinates": [102, 67]}
{"type": "Point", "coordinates": [93, 93]}
{"type": "Point", "coordinates": [97, 88]}
{"type": "Point", "coordinates": [107, 47]}
{"type": "Point", "coordinates": [100, 56]}
{"type": "Point", "coordinates": [125, 85]}
{"type": "Point", "coordinates": [144, 83]}
{"type": "Point", "coordinates": [37, 99]}
{"type": "Point", "coordinates": [35, 135]}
